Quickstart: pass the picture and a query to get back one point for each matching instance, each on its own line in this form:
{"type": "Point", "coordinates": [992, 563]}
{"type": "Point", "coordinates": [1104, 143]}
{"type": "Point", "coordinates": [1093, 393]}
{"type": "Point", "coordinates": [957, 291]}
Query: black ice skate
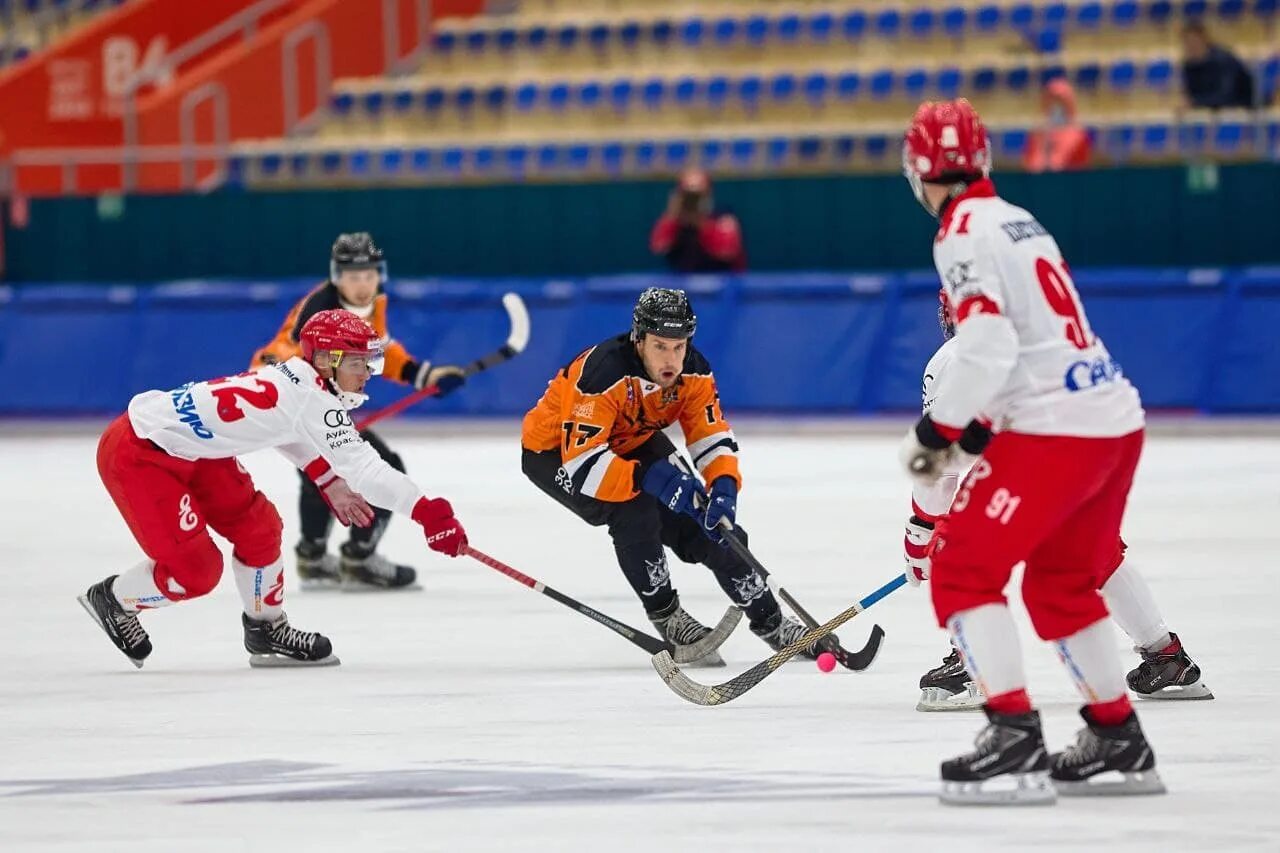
{"type": "Point", "coordinates": [120, 626]}
{"type": "Point", "coordinates": [1168, 674]}
{"type": "Point", "coordinates": [317, 568]}
{"type": "Point", "coordinates": [279, 644]}
{"type": "Point", "coordinates": [1090, 767]}
{"type": "Point", "coordinates": [1008, 766]}
{"type": "Point", "coordinates": [780, 631]}
{"type": "Point", "coordinates": [948, 687]}
{"type": "Point", "coordinates": [678, 628]}
{"type": "Point", "coordinates": [371, 572]}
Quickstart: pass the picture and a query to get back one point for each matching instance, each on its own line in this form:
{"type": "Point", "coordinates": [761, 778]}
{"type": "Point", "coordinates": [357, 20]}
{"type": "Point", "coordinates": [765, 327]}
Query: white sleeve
{"type": "Point", "coordinates": [985, 349]}
{"type": "Point", "coordinates": [299, 453]}
{"type": "Point", "coordinates": [328, 427]}
{"type": "Point", "coordinates": [930, 502]}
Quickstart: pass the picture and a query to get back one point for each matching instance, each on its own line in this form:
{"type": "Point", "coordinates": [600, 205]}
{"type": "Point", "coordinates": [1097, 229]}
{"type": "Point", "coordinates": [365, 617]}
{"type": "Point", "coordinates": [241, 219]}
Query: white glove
{"type": "Point", "coordinates": [916, 549]}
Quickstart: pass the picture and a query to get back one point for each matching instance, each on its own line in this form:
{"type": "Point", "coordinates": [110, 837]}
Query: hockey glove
{"type": "Point", "coordinates": [675, 489]}
{"type": "Point", "coordinates": [721, 503]}
{"type": "Point", "coordinates": [916, 548]}
{"type": "Point", "coordinates": [347, 506]}
{"type": "Point", "coordinates": [927, 453]}
{"type": "Point", "coordinates": [444, 533]}
{"type": "Point", "coordinates": [446, 377]}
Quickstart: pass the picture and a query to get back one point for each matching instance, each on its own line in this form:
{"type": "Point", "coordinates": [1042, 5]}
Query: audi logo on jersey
{"type": "Point", "coordinates": [335, 418]}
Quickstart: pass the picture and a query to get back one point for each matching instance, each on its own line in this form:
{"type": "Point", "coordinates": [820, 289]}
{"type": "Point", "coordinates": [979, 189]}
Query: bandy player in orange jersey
{"type": "Point", "coordinates": [170, 465]}
{"type": "Point", "coordinates": [594, 443]}
{"type": "Point", "coordinates": [1049, 488]}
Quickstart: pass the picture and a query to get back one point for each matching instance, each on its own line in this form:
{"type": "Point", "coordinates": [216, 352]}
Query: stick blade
{"type": "Point", "coordinates": [681, 684]}
{"type": "Point", "coordinates": [864, 657]}
{"type": "Point", "coordinates": [518, 314]}
{"type": "Point", "coordinates": [711, 642]}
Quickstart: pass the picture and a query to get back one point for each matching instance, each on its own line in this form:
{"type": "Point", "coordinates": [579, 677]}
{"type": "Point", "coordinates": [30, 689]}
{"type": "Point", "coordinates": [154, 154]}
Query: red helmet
{"type": "Point", "coordinates": [945, 144]}
{"type": "Point", "coordinates": [340, 331]}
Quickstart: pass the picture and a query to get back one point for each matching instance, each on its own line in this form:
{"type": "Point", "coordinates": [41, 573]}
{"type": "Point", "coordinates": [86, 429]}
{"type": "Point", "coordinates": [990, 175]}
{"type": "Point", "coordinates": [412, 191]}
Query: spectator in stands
{"type": "Point", "coordinates": [692, 235]}
{"type": "Point", "coordinates": [1212, 76]}
{"type": "Point", "coordinates": [1061, 144]}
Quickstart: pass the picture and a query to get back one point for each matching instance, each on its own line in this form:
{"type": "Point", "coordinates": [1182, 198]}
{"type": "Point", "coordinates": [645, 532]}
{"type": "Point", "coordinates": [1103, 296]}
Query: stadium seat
{"type": "Point", "coordinates": [816, 87]}
{"type": "Point", "coordinates": [987, 18]}
{"type": "Point", "coordinates": [1155, 138]}
{"type": "Point", "coordinates": [725, 31]}
{"type": "Point", "coordinates": [1158, 74]}
{"type": "Point", "coordinates": [452, 159]}
{"type": "Point", "coordinates": [1124, 13]}
{"type": "Point", "coordinates": [782, 87]}
{"type": "Point", "coordinates": [1054, 15]}
{"type": "Point", "coordinates": [477, 41]}
{"type": "Point", "coordinates": [643, 154]}
{"type": "Point", "coordinates": [881, 84]}
{"type": "Point", "coordinates": [914, 82]}
{"type": "Point", "coordinates": [516, 159]}
{"type": "Point", "coordinates": [1017, 78]}
{"type": "Point", "coordinates": [341, 103]}
{"type": "Point", "coordinates": [599, 36]}
{"type": "Point", "coordinates": [922, 23]}
{"type": "Point", "coordinates": [889, 24]}
{"type": "Point", "coordinates": [717, 91]}
{"type": "Point", "coordinates": [464, 98]}
{"type": "Point", "coordinates": [1159, 12]}
{"type": "Point", "coordinates": [433, 99]}
{"type": "Point", "coordinates": [526, 96]}
{"type": "Point", "coordinates": [983, 79]}
{"type": "Point", "coordinates": [579, 157]}
{"type": "Point", "coordinates": [567, 37]}
{"type": "Point", "coordinates": [788, 28]}
{"type": "Point", "coordinates": [611, 157]}
{"type": "Point", "coordinates": [685, 91]}
{"type": "Point", "coordinates": [675, 154]}
{"type": "Point", "coordinates": [620, 94]}
{"type": "Point", "coordinates": [653, 93]}
{"type": "Point", "coordinates": [1265, 8]}
{"type": "Point", "coordinates": [853, 25]}
{"type": "Point", "coordinates": [1010, 143]}
{"type": "Point", "coordinates": [548, 157]}
{"type": "Point", "coordinates": [330, 161]}
{"type": "Point", "coordinates": [949, 82]}
{"type": "Point", "coordinates": [299, 165]}
{"type": "Point", "coordinates": [808, 148]}
{"type": "Point", "coordinates": [1229, 136]}
{"type": "Point", "coordinates": [536, 38]}
{"type": "Point", "coordinates": [848, 85]}
{"type": "Point", "coordinates": [662, 33]}
{"type": "Point", "coordinates": [1022, 16]}
{"type": "Point", "coordinates": [777, 150]}
{"type": "Point", "coordinates": [1194, 9]}
{"type": "Point", "coordinates": [589, 94]}
{"type": "Point", "coordinates": [495, 97]}
{"type": "Point", "coordinates": [402, 100]}
{"type": "Point", "coordinates": [1122, 75]}
{"type": "Point", "coordinates": [390, 161]}
{"type": "Point", "coordinates": [557, 96]}
{"type": "Point", "coordinates": [371, 103]}
{"type": "Point", "coordinates": [359, 161]}
{"type": "Point", "coordinates": [1089, 15]}
{"type": "Point", "coordinates": [756, 30]}
{"type": "Point", "coordinates": [876, 146]}
{"type": "Point", "coordinates": [421, 160]}
{"type": "Point", "coordinates": [629, 35]}
{"type": "Point", "coordinates": [843, 148]}
{"type": "Point", "coordinates": [749, 89]}
{"type": "Point", "coordinates": [742, 152]}
{"type": "Point", "coordinates": [1087, 76]}
{"type": "Point", "coordinates": [507, 39]}
{"type": "Point", "coordinates": [710, 152]}
{"type": "Point", "coordinates": [821, 25]}
{"type": "Point", "coordinates": [445, 41]}
{"type": "Point", "coordinates": [954, 21]}
{"type": "Point", "coordinates": [691, 33]}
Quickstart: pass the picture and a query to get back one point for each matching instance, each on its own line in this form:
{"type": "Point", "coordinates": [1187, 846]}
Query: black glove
{"type": "Point", "coordinates": [446, 377]}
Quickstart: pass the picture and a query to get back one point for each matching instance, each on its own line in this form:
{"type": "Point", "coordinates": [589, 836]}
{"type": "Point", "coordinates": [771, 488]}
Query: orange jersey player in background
{"type": "Point", "coordinates": [357, 280]}
{"type": "Point", "coordinates": [594, 442]}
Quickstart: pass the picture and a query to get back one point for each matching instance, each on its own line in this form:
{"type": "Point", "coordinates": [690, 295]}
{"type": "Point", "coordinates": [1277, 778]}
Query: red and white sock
{"type": "Point", "coordinates": [1134, 608]}
{"type": "Point", "coordinates": [1091, 660]}
{"type": "Point", "coordinates": [136, 589]}
{"type": "Point", "coordinates": [261, 589]}
{"type": "Point", "coordinates": [988, 642]}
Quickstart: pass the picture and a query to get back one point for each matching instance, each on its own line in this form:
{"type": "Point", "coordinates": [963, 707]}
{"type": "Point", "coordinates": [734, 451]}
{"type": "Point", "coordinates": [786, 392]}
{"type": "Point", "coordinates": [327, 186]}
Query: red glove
{"type": "Point", "coordinates": [444, 533]}
{"type": "Point", "coordinates": [347, 506]}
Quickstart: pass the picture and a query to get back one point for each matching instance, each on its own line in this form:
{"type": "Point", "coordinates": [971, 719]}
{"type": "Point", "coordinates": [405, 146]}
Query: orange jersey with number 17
{"type": "Point", "coordinates": [603, 405]}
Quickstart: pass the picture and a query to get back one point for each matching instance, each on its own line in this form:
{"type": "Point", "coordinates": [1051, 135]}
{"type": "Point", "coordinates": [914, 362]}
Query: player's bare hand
{"type": "Point", "coordinates": [346, 505]}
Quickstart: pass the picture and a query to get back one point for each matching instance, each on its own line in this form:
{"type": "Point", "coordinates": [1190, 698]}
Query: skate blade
{"type": "Point", "coordinates": [93, 614]}
{"type": "Point", "coordinates": [1138, 783]}
{"type": "Point", "coordinates": [1176, 692]}
{"type": "Point", "coordinates": [320, 584]}
{"type": "Point", "coordinates": [273, 661]}
{"type": "Point", "coordinates": [360, 587]}
{"type": "Point", "coordinates": [1014, 789]}
{"type": "Point", "coordinates": [934, 699]}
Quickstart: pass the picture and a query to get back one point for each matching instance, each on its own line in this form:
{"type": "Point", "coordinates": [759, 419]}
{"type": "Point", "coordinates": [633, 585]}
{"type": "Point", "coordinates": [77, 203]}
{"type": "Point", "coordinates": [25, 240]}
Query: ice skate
{"type": "Point", "coordinates": [1106, 761]}
{"type": "Point", "coordinates": [279, 644]}
{"type": "Point", "coordinates": [948, 687]}
{"type": "Point", "coordinates": [1168, 674]}
{"type": "Point", "coordinates": [1008, 766]}
{"type": "Point", "coordinates": [120, 626]}
{"type": "Point", "coordinates": [678, 628]}
{"type": "Point", "coordinates": [317, 568]}
{"type": "Point", "coordinates": [373, 572]}
{"type": "Point", "coordinates": [780, 631]}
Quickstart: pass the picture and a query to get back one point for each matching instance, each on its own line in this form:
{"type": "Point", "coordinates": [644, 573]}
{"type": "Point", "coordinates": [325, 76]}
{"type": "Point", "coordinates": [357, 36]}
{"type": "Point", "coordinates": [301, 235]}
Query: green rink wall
{"type": "Point", "coordinates": [1167, 216]}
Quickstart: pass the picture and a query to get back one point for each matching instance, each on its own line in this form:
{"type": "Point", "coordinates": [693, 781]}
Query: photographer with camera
{"type": "Point", "coordinates": [692, 236]}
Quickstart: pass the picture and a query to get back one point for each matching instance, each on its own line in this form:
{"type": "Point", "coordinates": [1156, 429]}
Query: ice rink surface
{"type": "Point", "coordinates": [477, 715]}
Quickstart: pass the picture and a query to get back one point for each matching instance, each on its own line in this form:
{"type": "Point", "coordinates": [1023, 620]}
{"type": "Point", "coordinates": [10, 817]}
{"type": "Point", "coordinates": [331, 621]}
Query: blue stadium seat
{"type": "Point", "coordinates": [620, 94]}
{"type": "Point", "coordinates": [675, 154]}
{"type": "Point", "coordinates": [629, 34]}
{"type": "Point", "coordinates": [341, 103]}
{"type": "Point", "coordinates": [477, 41]}
{"type": "Point", "coordinates": [821, 25]}
{"type": "Point", "coordinates": [644, 154]}
{"type": "Point", "coordinates": [685, 91]}
{"type": "Point", "coordinates": [567, 36]}
{"type": "Point", "coordinates": [237, 171]}
{"type": "Point", "coordinates": [726, 30]}
{"type": "Point", "coordinates": [1122, 75]}
{"type": "Point", "coordinates": [692, 31]}
{"type": "Point", "coordinates": [526, 97]}
{"type": "Point", "coordinates": [1049, 40]}
{"type": "Point", "coordinates": [557, 96]}
{"type": "Point", "coordinates": [881, 84]}
{"type": "Point", "coordinates": [742, 152]}
{"type": "Point", "coordinates": [1089, 15]}
{"type": "Point", "coordinates": [299, 164]}
{"type": "Point", "coordinates": [949, 81]}
{"type": "Point", "coordinates": [421, 159]}
{"type": "Point", "coordinates": [1087, 76]}
{"type": "Point", "coordinates": [654, 92]}
{"type": "Point", "coordinates": [611, 157]}
{"type": "Point", "coordinates": [445, 41]}
{"type": "Point", "coordinates": [1230, 10]}
{"type": "Point", "coordinates": [987, 18]}
{"type": "Point", "coordinates": [914, 82]}
{"type": "Point", "coordinates": [710, 151]}
{"type": "Point", "coordinates": [756, 30]}
{"type": "Point", "coordinates": [1054, 15]}
{"type": "Point", "coordinates": [1159, 12]}
{"type": "Point", "coordinates": [922, 23]}
{"type": "Point", "coordinates": [816, 86]}
{"type": "Point", "coordinates": [853, 25]}
{"type": "Point", "coordinates": [843, 147]}
{"type": "Point", "coordinates": [877, 145]}
{"type": "Point", "coordinates": [1265, 8]}
{"type": "Point", "coordinates": [1011, 142]}
{"type": "Point", "coordinates": [889, 23]}
{"type": "Point", "coordinates": [599, 36]}
{"type": "Point", "coordinates": [1124, 13]}
{"type": "Point", "coordinates": [1155, 138]}
{"type": "Point", "coordinates": [1229, 136]}
{"type": "Point", "coordinates": [749, 88]}
{"type": "Point", "coordinates": [402, 100]}
{"type": "Point", "coordinates": [390, 161]}
{"type": "Point", "coordinates": [269, 164]}
{"type": "Point", "coordinates": [848, 84]}
{"type": "Point", "coordinates": [465, 97]}
{"type": "Point", "coordinates": [507, 39]}
{"type": "Point", "coordinates": [1192, 138]}
{"type": "Point", "coordinates": [371, 103]}
{"type": "Point", "coordinates": [495, 97]}
{"type": "Point", "coordinates": [589, 94]}
{"type": "Point", "coordinates": [808, 148]}
{"type": "Point", "coordinates": [516, 158]}
{"type": "Point", "coordinates": [1017, 78]}
{"type": "Point", "coordinates": [777, 149]}
{"type": "Point", "coordinates": [1021, 16]}
{"type": "Point", "coordinates": [662, 33]}
{"type": "Point", "coordinates": [579, 157]}
{"type": "Point", "coordinates": [717, 91]}
{"type": "Point", "coordinates": [548, 157]}
{"type": "Point", "coordinates": [452, 159]}
{"type": "Point", "coordinates": [1118, 141]}
{"type": "Point", "coordinates": [1268, 79]}
{"type": "Point", "coordinates": [1158, 74]}
{"type": "Point", "coordinates": [331, 162]}
{"type": "Point", "coordinates": [359, 161]}
{"type": "Point", "coordinates": [1194, 8]}
{"type": "Point", "coordinates": [536, 37]}
{"type": "Point", "coordinates": [788, 28]}
{"type": "Point", "coordinates": [1051, 72]}
{"type": "Point", "coordinates": [954, 20]}
{"type": "Point", "coordinates": [433, 99]}
{"type": "Point", "coordinates": [782, 87]}
{"type": "Point", "coordinates": [984, 79]}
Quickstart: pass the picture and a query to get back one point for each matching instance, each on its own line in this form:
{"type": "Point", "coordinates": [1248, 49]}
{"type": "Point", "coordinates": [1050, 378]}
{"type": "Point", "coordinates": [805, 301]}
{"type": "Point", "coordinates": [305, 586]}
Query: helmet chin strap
{"type": "Point", "coordinates": [349, 400]}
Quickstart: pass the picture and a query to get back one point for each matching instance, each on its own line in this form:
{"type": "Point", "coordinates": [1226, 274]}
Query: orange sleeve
{"type": "Point", "coordinates": [587, 422]}
{"type": "Point", "coordinates": [396, 359]}
{"type": "Point", "coordinates": [282, 347]}
{"type": "Point", "coordinates": [707, 434]}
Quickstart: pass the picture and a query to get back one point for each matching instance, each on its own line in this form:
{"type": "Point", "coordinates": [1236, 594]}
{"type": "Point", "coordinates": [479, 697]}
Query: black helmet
{"type": "Point", "coordinates": [356, 251]}
{"type": "Point", "coordinates": [663, 312]}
